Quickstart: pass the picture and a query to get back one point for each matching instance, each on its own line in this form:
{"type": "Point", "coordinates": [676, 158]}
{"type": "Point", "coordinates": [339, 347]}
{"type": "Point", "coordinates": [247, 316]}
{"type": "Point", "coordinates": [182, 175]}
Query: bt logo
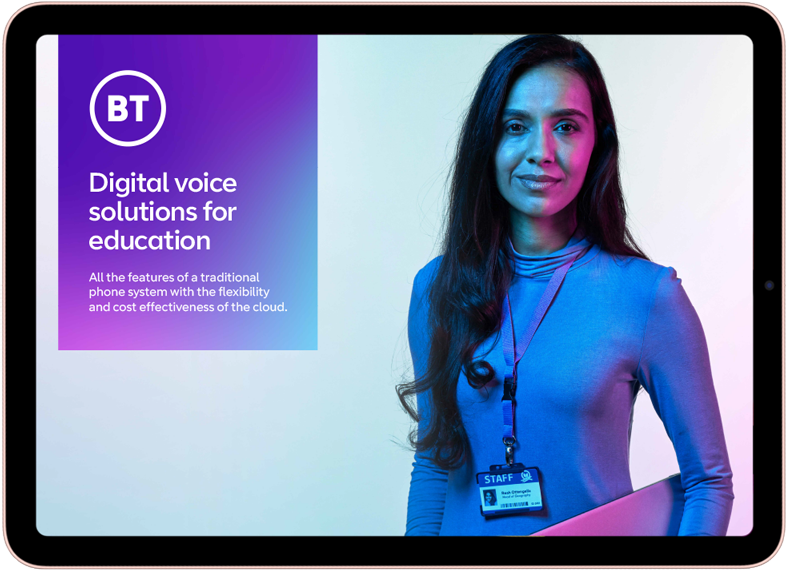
{"type": "Point", "coordinates": [127, 108]}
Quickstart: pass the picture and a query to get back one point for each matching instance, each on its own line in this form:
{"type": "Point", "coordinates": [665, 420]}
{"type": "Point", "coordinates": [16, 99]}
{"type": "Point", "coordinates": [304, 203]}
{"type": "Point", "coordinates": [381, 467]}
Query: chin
{"type": "Point", "coordinates": [544, 212]}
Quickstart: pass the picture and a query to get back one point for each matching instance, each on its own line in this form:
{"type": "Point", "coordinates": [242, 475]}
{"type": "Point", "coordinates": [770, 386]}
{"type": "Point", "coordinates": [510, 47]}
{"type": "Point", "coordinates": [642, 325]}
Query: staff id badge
{"type": "Point", "coordinates": [507, 490]}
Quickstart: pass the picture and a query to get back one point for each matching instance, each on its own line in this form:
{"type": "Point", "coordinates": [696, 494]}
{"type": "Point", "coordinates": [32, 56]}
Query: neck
{"type": "Point", "coordinates": [542, 236]}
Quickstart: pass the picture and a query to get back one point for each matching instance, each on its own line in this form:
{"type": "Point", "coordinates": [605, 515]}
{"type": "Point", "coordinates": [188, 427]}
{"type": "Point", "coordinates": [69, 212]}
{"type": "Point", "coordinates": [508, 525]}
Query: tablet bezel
{"type": "Point", "coordinates": [19, 259]}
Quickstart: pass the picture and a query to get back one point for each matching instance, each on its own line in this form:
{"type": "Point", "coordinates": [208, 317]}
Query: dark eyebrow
{"type": "Point", "coordinates": [509, 113]}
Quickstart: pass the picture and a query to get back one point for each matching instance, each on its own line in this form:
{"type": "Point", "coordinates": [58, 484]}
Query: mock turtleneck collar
{"type": "Point", "coordinates": [543, 266]}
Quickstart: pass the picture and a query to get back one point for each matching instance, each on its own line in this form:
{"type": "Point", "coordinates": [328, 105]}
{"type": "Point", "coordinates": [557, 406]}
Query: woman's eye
{"type": "Point", "coordinates": [516, 128]}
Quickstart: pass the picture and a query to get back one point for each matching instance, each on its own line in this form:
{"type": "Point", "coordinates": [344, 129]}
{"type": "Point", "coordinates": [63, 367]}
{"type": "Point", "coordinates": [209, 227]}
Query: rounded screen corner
{"type": "Point", "coordinates": [767, 10]}
{"type": "Point", "coordinates": [18, 553]}
{"type": "Point", "coordinates": [21, 19]}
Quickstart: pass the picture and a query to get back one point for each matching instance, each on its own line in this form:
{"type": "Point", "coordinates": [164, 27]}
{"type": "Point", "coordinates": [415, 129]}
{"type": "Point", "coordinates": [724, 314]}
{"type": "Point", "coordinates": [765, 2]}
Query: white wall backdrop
{"type": "Point", "coordinates": [179, 443]}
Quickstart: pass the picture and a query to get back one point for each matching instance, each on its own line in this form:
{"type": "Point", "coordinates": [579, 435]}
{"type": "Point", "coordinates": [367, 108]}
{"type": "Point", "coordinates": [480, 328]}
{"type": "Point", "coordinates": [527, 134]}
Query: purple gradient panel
{"type": "Point", "coordinates": [241, 107]}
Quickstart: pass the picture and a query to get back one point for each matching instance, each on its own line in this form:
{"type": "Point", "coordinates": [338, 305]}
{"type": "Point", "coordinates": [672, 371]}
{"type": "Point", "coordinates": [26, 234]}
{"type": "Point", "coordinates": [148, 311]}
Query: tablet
{"type": "Point", "coordinates": [267, 239]}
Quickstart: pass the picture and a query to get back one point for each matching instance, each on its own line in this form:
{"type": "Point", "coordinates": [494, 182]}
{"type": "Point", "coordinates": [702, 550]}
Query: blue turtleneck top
{"type": "Point", "coordinates": [615, 325]}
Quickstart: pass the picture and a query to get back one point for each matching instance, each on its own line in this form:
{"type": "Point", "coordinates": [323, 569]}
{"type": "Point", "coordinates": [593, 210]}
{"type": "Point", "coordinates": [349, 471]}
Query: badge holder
{"type": "Point", "coordinates": [509, 489]}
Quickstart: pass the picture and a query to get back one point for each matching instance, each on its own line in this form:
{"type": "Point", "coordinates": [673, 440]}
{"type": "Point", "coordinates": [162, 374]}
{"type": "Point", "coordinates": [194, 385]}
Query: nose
{"type": "Point", "coordinates": [540, 146]}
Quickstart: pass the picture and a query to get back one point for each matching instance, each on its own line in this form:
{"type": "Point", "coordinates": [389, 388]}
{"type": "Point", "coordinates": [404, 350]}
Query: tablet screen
{"type": "Point", "coordinates": [228, 229]}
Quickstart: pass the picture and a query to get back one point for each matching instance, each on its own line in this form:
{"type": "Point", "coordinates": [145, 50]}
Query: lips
{"type": "Point", "coordinates": [539, 178]}
{"type": "Point", "coordinates": [537, 183]}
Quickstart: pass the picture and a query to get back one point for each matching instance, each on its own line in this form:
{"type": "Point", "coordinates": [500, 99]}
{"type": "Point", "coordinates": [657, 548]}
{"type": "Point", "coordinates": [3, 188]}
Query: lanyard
{"type": "Point", "coordinates": [514, 350]}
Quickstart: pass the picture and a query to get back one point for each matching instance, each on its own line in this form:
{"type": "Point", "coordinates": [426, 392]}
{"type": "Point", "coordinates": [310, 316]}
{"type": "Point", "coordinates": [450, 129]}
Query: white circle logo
{"type": "Point", "coordinates": [109, 78]}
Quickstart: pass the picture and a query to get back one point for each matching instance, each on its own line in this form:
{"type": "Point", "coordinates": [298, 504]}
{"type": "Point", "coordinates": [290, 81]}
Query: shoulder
{"type": "Point", "coordinates": [418, 328]}
{"type": "Point", "coordinates": [425, 276]}
{"type": "Point", "coordinates": [419, 303]}
{"type": "Point", "coordinates": [634, 283]}
{"type": "Point", "coordinates": [638, 274]}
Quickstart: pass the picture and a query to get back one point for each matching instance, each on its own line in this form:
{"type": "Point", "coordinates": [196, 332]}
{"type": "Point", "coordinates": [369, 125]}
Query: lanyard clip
{"type": "Point", "coordinates": [508, 442]}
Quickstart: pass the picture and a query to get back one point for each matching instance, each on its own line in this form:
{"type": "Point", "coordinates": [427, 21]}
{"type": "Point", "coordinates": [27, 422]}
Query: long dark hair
{"type": "Point", "coordinates": [466, 294]}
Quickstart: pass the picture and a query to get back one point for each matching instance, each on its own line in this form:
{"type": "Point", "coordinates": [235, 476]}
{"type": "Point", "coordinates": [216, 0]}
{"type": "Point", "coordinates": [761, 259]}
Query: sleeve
{"type": "Point", "coordinates": [428, 486]}
{"type": "Point", "coordinates": [675, 370]}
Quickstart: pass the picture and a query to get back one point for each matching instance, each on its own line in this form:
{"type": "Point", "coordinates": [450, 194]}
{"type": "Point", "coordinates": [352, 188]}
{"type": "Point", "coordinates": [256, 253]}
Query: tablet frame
{"type": "Point", "coordinates": [19, 259]}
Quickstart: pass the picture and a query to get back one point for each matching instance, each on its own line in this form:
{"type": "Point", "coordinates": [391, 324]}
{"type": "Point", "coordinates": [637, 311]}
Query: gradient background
{"type": "Point", "coordinates": [242, 107]}
{"type": "Point", "coordinates": [178, 443]}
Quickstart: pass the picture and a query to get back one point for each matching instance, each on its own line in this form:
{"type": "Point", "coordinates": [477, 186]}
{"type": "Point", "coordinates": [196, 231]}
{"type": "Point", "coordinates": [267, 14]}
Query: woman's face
{"type": "Point", "coordinates": [548, 130]}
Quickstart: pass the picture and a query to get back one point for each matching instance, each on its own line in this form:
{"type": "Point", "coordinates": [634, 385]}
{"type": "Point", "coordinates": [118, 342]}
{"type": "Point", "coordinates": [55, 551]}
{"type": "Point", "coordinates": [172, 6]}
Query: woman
{"type": "Point", "coordinates": [537, 217]}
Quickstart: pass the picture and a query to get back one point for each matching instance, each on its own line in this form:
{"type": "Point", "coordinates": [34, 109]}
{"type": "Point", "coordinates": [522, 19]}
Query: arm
{"type": "Point", "coordinates": [675, 370]}
{"type": "Point", "coordinates": [428, 486]}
